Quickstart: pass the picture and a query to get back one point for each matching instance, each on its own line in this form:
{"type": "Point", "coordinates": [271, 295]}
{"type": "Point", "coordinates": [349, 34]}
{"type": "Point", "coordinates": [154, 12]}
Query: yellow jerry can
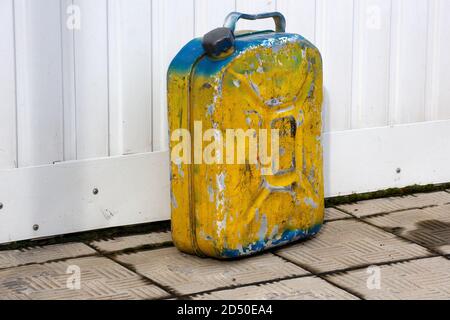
{"type": "Point", "coordinates": [244, 115]}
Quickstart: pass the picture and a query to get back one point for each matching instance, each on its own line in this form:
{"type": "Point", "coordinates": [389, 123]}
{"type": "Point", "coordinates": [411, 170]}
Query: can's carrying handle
{"type": "Point", "coordinates": [232, 18]}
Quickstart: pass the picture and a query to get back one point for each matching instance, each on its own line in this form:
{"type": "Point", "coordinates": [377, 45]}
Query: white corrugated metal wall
{"type": "Point", "coordinates": [85, 79]}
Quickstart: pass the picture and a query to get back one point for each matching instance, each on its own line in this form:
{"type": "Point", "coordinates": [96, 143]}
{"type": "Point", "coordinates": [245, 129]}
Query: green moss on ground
{"type": "Point", "coordinates": [392, 192]}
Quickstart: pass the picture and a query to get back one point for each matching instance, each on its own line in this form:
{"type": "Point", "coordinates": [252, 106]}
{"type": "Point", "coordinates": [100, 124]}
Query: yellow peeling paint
{"type": "Point", "coordinates": [223, 208]}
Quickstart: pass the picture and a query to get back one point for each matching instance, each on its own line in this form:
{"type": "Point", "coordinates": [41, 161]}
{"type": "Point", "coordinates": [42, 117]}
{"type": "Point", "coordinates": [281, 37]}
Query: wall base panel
{"type": "Point", "coordinates": [366, 160]}
{"type": "Point", "coordinates": [60, 198]}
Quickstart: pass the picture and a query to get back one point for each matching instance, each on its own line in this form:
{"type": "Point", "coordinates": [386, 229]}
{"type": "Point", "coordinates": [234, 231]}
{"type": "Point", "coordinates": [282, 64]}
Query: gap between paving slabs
{"type": "Point", "coordinates": [101, 279]}
{"type": "Point", "coordinates": [40, 257]}
{"type": "Point", "coordinates": [337, 215]}
{"type": "Point", "coordinates": [427, 278]}
{"type": "Point", "coordinates": [428, 227]}
{"type": "Point", "coordinates": [323, 276]}
{"type": "Point", "coordinates": [215, 289]}
{"type": "Point", "coordinates": [249, 284]}
{"type": "Point", "coordinates": [368, 219]}
{"type": "Point", "coordinates": [51, 253]}
{"type": "Point", "coordinates": [93, 253]}
{"type": "Point", "coordinates": [169, 290]}
{"type": "Point", "coordinates": [303, 288]}
{"type": "Point", "coordinates": [350, 243]}
{"type": "Point", "coordinates": [174, 293]}
{"type": "Point", "coordinates": [188, 296]}
{"type": "Point", "coordinates": [218, 288]}
{"type": "Point", "coordinates": [187, 274]}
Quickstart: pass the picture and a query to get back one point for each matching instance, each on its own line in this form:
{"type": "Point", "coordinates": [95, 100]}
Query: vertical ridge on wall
{"type": "Point", "coordinates": [441, 65]}
{"type": "Point", "coordinates": [370, 102]}
{"type": "Point", "coordinates": [408, 61]}
{"type": "Point", "coordinates": [172, 28]}
{"type": "Point", "coordinates": [334, 39]}
{"type": "Point", "coordinates": [300, 17]}
{"type": "Point", "coordinates": [8, 148]}
{"type": "Point", "coordinates": [91, 80]}
{"type": "Point", "coordinates": [39, 82]}
{"type": "Point", "coordinates": [211, 14]}
{"type": "Point", "coordinates": [431, 97]}
{"type": "Point", "coordinates": [130, 76]}
{"type": "Point", "coordinates": [68, 22]}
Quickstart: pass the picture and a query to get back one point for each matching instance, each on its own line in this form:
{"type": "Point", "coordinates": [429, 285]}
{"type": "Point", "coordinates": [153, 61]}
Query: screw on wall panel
{"type": "Point", "coordinates": [95, 191]}
{"type": "Point", "coordinates": [1, 206]}
{"type": "Point", "coordinates": [398, 170]}
{"type": "Point", "coordinates": [36, 227]}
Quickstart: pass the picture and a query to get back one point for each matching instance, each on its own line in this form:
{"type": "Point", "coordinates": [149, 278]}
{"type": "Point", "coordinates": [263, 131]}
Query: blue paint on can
{"type": "Point", "coordinates": [193, 52]}
{"type": "Point", "coordinates": [260, 245]}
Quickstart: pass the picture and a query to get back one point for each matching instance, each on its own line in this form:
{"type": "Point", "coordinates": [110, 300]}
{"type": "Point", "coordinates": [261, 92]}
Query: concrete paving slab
{"type": "Point", "coordinates": [134, 241]}
{"type": "Point", "coordinates": [188, 274]}
{"type": "Point", "coordinates": [385, 205]}
{"type": "Point", "coordinates": [347, 244]}
{"type": "Point", "coordinates": [101, 278]}
{"type": "Point", "coordinates": [417, 279]}
{"type": "Point", "coordinates": [13, 258]}
{"type": "Point", "coordinates": [305, 288]}
{"type": "Point", "coordinates": [429, 227]}
{"type": "Point", "coordinates": [334, 214]}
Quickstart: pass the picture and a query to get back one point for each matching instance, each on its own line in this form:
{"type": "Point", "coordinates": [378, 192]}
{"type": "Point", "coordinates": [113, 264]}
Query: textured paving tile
{"type": "Point", "coordinates": [350, 243]}
{"type": "Point", "coordinates": [12, 258]}
{"type": "Point", "coordinates": [333, 214]}
{"type": "Point", "coordinates": [189, 274]}
{"type": "Point", "coordinates": [135, 241]}
{"type": "Point", "coordinates": [305, 288]}
{"type": "Point", "coordinates": [384, 205]}
{"type": "Point", "coordinates": [101, 278]}
{"type": "Point", "coordinates": [418, 279]}
{"type": "Point", "coordinates": [429, 227]}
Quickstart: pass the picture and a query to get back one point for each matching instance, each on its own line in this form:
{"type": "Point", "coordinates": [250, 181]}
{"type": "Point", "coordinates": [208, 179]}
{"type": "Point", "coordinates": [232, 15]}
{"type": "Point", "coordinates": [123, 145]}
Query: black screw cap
{"type": "Point", "coordinates": [218, 41]}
